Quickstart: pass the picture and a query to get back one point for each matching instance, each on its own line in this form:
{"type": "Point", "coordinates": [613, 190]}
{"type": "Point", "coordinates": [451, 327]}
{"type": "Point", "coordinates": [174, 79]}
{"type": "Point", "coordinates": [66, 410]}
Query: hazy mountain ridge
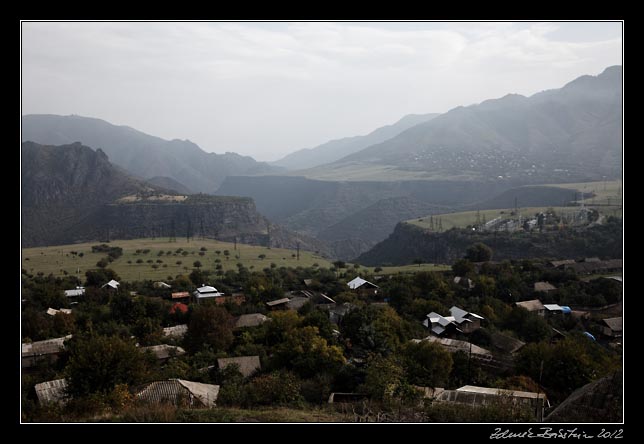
{"type": "Point", "coordinates": [336, 149]}
{"type": "Point", "coordinates": [141, 154]}
{"type": "Point", "coordinates": [571, 133]}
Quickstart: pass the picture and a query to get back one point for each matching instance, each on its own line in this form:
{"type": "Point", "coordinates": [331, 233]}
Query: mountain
{"type": "Point", "coordinates": [71, 193]}
{"type": "Point", "coordinates": [335, 149]}
{"type": "Point", "coordinates": [569, 134]}
{"type": "Point", "coordinates": [141, 154]}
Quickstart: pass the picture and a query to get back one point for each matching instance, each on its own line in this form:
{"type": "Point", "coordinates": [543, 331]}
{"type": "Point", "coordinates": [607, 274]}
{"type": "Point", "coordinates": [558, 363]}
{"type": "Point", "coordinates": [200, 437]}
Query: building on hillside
{"type": "Point", "coordinates": [164, 352]}
{"type": "Point", "coordinates": [180, 392]}
{"type": "Point", "coordinates": [178, 331]}
{"type": "Point", "coordinates": [47, 350]}
{"type": "Point", "coordinates": [111, 285]}
{"type": "Point", "coordinates": [251, 320]}
{"type": "Point", "coordinates": [533, 305]}
{"type": "Point", "coordinates": [609, 266]}
{"type": "Point", "coordinates": [52, 392]}
{"type": "Point", "coordinates": [467, 321]}
{"type": "Point", "coordinates": [278, 304]}
{"type": "Point", "coordinates": [247, 364]}
{"type": "Point", "coordinates": [460, 321]}
{"type": "Point", "coordinates": [544, 287]}
{"type": "Point", "coordinates": [206, 292]}
{"type": "Point", "coordinates": [613, 327]}
{"type": "Point", "coordinates": [363, 286]}
{"type": "Point", "coordinates": [180, 296]}
{"type": "Point", "coordinates": [504, 343]}
{"type": "Point", "coordinates": [161, 285]}
{"type": "Point", "coordinates": [78, 291]}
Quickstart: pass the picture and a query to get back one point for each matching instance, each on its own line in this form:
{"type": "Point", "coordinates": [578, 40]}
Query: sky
{"type": "Point", "coordinates": [266, 89]}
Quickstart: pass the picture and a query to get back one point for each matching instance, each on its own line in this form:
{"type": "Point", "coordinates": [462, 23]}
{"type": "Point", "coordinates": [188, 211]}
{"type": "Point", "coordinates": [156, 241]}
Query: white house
{"type": "Point", "coordinates": [206, 292]}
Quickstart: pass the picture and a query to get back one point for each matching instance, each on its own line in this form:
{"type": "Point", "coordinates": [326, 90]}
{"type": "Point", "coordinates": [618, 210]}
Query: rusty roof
{"type": "Point", "coordinates": [531, 305]}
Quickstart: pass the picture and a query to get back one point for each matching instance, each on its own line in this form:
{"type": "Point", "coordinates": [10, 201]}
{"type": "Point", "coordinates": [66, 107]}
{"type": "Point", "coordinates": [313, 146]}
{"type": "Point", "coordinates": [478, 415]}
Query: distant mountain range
{"type": "Point", "coordinates": [336, 149]}
{"type": "Point", "coordinates": [143, 155]}
{"type": "Point", "coordinates": [568, 134]}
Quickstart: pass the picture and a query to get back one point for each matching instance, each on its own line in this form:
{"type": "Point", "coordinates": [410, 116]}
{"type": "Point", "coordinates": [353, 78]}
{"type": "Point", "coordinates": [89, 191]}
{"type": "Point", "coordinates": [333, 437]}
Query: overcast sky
{"type": "Point", "coordinates": [268, 89]}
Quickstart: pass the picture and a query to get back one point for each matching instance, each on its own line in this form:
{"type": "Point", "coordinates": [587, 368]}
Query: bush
{"type": "Point", "coordinates": [277, 388]}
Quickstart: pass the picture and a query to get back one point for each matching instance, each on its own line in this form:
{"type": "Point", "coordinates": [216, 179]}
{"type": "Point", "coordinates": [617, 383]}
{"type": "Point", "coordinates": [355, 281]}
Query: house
{"type": "Point", "coordinates": [464, 282]}
{"type": "Point", "coordinates": [362, 285]}
{"type": "Point", "coordinates": [206, 292]}
{"type": "Point", "coordinates": [164, 352]}
{"type": "Point", "coordinates": [251, 320]}
{"type": "Point", "coordinates": [161, 285]}
{"type": "Point", "coordinates": [247, 364]}
{"type": "Point", "coordinates": [504, 343]}
{"type": "Point", "coordinates": [454, 345]}
{"type": "Point", "coordinates": [482, 396]}
{"type": "Point", "coordinates": [180, 392]}
{"type": "Point", "coordinates": [42, 350]}
{"type": "Point", "coordinates": [180, 296]}
{"type": "Point", "coordinates": [178, 331]}
{"type": "Point", "coordinates": [296, 302]}
{"type": "Point", "coordinates": [111, 285]}
{"type": "Point", "coordinates": [278, 304]}
{"type": "Point", "coordinates": [467, 322]}
{"type": "Point", "coordinates": [78, 291]}
{"type": "Point", "coordinates": [533, 305]}
{"type": "Point", "coordinates": [613, 327]}
{"type": "Point", "coordinates": [54, 312]}
{"type": "Point", "coordinates": [544, 287]}
{"type": "Point", "coordinates": [51, 392]}
{"type": "Point", "coordinates": [460, 320]}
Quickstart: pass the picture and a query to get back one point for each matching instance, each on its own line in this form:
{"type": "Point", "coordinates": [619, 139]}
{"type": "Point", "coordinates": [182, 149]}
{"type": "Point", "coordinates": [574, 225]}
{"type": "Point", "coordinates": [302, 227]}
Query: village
{"type": "Point", "coordinates": [488, 337]}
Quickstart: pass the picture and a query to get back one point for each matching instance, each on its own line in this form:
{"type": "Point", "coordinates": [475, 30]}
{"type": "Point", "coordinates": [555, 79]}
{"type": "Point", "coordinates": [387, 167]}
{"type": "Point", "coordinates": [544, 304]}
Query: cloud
{"type": "Point", "coordinates": [264, 89]}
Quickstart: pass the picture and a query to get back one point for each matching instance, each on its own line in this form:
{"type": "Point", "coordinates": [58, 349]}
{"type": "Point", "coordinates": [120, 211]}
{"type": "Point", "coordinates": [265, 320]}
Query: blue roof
{"type": "Point", "coordinates": [565, 309]}
{"type": "Point", "coordinates": [589, 335]}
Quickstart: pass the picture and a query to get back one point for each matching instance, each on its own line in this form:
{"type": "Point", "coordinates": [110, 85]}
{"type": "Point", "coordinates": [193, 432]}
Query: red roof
{"type": "Point", "coordinates": [183, 308]}
{"type": "Point", "coordinates": [180, 295]}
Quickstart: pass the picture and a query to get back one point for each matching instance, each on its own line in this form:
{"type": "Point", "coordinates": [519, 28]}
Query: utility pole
{"type": "Point", "coordinates": [298, 250]}
{"type": "Point", "coordinates": [235, 246]}
{"type": "Point", "coordinates": [539, 417]}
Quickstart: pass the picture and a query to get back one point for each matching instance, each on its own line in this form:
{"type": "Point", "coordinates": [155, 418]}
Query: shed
{"type": "Point", "coordinates": [51, 391]}
{"type": "Point", "coordinates": [247, 364]}
{"type": "Point", "coordinates": [113, 285]}
{"type": "Point", "coordinates": [78, 291]}
{"type": "Point", "coordinates": [613, 327]}
{"type": "Point", "coordinates": [180, 392]}
{"type": "Point", "coordinates": [358, 282]}
{"type": "Point", "coordinates": [533, 305]}
{"type": "Point", "coordinates": [251, 320]}
{"type": "Point", "coordinates": [180, 295]}
{"type": "Point", "coordinates": [277, 303]}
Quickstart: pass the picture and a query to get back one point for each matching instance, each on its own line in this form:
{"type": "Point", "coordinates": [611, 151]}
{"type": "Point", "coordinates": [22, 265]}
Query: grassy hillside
{"type": "Point", "coordinates": [58, 259]}
{"type": "Point", "coordinates": [605, 193]}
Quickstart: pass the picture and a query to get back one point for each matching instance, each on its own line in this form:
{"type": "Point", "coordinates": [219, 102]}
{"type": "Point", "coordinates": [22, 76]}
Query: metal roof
{"type": "Point", "coordinates": [161, 285]}
{"type": "Point", "coordinates": [78, 291]}
{"type": "Point", "coordinates": [251, 320]}
{"type": "Point", "coordinates": [207, 289]}
{"type": "Point", "coordinates": [297, 302]}
{"type": "Point", "coordinates": [178, 331]}
{"type": "Point", "coordinates": [455, 345]}
{"type": "Point", "coordinates": [501, 392]}
{"type": "Point", "coordinates": [277, 302]}
{"type": "Point", "coordinates": [51, 391]}
{"type": "Point", "coordinates": [247, 364]}
{"type": "Point", "coordinates": [614, 324]}
{"type": "Point", "coordinates": [53, 311]}
{"type": "Point", "coordinates": [165, 351]}
{"type": "Point", "coordinates": [531, 305]}
{"type": "Point", "coordinates": [114, 284]}
{"type": "Point", "coordinates": [49, 346]}
{"type": "Point", "coordinates": [552, 307]}
{"type": "Point", "coordinates": [180, 295]}
{"type": "Point", "coordinates": [359, 282]}
{"type": "Point", "coordinates": [174, 390]}
{"type": "Point", "coordinates": [544, 286]}
{"type": "Point", "coordinates": [505, 343]}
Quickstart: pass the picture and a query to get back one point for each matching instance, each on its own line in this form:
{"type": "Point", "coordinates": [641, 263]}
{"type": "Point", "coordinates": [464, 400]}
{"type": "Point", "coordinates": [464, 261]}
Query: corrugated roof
{"type": "Point", "coordinates": [207, 289]}
{"type": "Point", "coordinates": [113, 284]}
{"type": "Point", "coordinates": [176, 391]}
{"type": "Point", "coordinates": [49, 346]}
{"type": "Point", "coordinates": [78, 291]}
{"type": "Point", "coordinates": [180, 295]}
{"type": "Point", "coordinates": [532, 305]}
{"type": "Point", "coordinates": [178, 331]}
{"type": "Point", "coordinates": [592, 267]}
{"type": "Point", "coordinates": [614, 324]}
{"type": "Point", "coordinates": [544, 286]}
{"type": "Point", "coordinates": [454, 345]}
{"type": "Point", "coordinates": [51, 391]}
{"type": "Point", "coordinates": [500, 392]}
{"type": "Point", "coordinates": [359, 282]}
{"type": "Point", "coordinates": [552, 307]}
{"type": "Point", "coordinates": [277, 302]}
{"type": "Point", "coordinates": [297, 302]}
{"type": "Point", "coordinates": [247, 364]}
{"type": "Point", "coordinates": [165, 351]}
{"type": "Point", "coordinates": [505, 343]}
{"type": "Point", "coordinates": [251, 320]}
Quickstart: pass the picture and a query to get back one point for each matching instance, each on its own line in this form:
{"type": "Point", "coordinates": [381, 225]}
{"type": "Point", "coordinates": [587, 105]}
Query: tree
{"type": "Point", "coordinates": [209, 325]}
{"type": "Point", "coordinates": [96, 278]}
{"type": "Point", "coordinates": [418, 261]}
{"type": "Point", "coordinates": [428, 364]}
{"type": "Point", "coordinates": [462, 267]}
{"type": "Point", "coordinates": [98, 363]}
{"type": "Point", "coordinates": [479, 252]}
{"type": "Point", "coordinates": [197, 264]}
{"type": "Point", "coordinates": [383, 377]}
